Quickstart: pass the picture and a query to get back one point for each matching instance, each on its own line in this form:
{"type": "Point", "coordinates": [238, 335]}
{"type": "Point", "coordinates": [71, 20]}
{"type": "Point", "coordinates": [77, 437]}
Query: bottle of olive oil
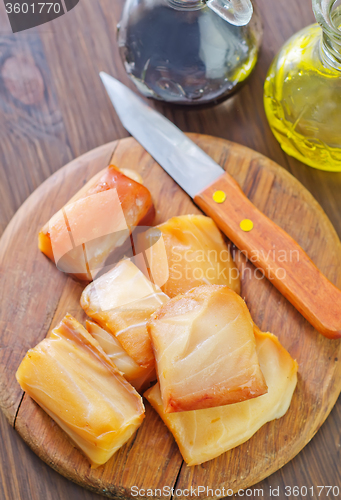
{"type": "Point", "coordinates": [302, 93]}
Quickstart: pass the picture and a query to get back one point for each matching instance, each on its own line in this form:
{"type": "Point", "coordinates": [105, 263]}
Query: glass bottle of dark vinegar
{"type": "Point", "coordinates": [188, 51]}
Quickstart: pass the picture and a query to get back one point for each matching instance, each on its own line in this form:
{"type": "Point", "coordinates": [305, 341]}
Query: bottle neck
{"type": "Point", "coordinates": [186, 4]}
{"type": "Point", "coordinates": [331, 51]}
{"type": "Point", "coordinates": [329, 18]}
{"type": "Point", "coordinates": [236, 12]}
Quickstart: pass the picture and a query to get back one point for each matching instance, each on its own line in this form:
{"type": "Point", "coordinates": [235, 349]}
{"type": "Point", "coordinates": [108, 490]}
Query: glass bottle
{"type": "Point", "coordinates": [302, 93]}
{"type": "Point", "coordinates": [189, 51]}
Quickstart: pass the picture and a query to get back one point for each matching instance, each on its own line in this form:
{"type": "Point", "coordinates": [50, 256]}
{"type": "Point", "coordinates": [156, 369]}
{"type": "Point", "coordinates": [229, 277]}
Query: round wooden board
{"type": "Point", "coordinates": [35, 296]}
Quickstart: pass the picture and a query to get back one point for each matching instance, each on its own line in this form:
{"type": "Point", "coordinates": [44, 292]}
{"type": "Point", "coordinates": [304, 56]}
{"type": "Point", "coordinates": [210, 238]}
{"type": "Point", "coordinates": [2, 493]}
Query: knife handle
{"type": "Point", "coordinates": [276, 253]}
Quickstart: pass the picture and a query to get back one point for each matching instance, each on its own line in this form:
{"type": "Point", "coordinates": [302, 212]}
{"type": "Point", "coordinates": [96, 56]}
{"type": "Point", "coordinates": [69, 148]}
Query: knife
{"type": "Point", "coordinates": [221, 198]}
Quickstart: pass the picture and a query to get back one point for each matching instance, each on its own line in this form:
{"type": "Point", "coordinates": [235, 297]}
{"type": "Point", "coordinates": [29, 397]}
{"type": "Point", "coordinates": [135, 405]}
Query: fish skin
{"type": "Point", "coordinates": [203, 435]}
{"type": "Point", "coordinates": [72, 379]}
{"type": "Point", "coordinates": [121, 301]}
{"type": "Point", "coordinates": [85, 212]}
{"type": "Point", "coordinates": [137, 376]}
{"type": "Point", "coordinates": [205, 350]}
{"type": "Point", "coordinates": [196, 254]}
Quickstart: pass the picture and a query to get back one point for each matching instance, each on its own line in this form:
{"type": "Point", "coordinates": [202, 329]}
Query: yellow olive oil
{"type": "Point", "coordinates": [302, 98]}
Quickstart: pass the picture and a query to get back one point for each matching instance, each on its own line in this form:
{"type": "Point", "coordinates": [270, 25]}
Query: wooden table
{"type": "Point", "coordinates": [53, 109]}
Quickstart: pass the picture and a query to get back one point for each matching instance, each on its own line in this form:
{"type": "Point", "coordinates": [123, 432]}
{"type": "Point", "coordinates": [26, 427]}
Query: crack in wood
{"type": "Point", "coordinates": [16, 413]}
{"type": "Point", "coordinates": [177, 479]}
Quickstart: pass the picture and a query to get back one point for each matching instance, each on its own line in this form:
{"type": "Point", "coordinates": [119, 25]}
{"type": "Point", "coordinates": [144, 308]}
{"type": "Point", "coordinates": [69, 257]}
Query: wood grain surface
{"type": "Point", "coordinates": [58, 110]}
{"type": "Point", "coordinates": [38, 296]}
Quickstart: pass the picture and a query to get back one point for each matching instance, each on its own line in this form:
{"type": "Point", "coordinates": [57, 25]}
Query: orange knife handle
{"type": "Point", "coordinates": [278, 255]}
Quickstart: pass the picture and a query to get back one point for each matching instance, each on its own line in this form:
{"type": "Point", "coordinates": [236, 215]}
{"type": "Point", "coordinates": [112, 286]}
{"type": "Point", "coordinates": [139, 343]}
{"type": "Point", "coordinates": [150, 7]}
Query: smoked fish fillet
{"type": "Point", "coordinates": [121, 301]}
{"type": "Point", "coordinates": [72, 379]}
{"type": "Point", "coordinates": [205, 350]}
{"type": "Point", "coordinates": [196, 254]}
{"type": "Point", "coordinates": [95, 222]}
{"type": "Point", "coordinates": [136, 375]}
{"type": "Point", "coordinates": [205, 434]}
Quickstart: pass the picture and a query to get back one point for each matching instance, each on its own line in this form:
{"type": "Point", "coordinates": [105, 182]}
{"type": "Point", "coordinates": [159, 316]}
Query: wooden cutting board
{"type": "Point", "coordinates": [35, 296]}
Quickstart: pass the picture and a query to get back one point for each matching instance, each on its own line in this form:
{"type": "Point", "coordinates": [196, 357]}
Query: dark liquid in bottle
{"type": "Point", "coordinates": [186, 57]}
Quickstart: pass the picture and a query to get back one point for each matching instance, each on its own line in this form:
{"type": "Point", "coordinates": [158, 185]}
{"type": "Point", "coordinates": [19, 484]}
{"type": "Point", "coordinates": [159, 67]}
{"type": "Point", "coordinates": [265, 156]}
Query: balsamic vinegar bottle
{"type": "Point", "coordinates": [188, 51]}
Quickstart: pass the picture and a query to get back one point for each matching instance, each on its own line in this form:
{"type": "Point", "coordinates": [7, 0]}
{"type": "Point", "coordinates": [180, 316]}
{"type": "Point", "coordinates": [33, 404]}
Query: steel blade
{"type": "Point", "coordinates": [183, 160]}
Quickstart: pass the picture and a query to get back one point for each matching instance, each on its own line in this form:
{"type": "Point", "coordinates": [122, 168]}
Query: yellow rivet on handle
{"type": "Point", "coordinates": [219, 196]}
{"type": "Point", "coordinates": [246, 225]}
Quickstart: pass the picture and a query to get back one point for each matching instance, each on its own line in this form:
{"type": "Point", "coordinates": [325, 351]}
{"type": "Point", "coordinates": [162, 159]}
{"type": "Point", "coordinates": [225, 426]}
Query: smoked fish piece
{"type": "Point", "coordinates": [95, 222]}
{"type": "Point", "coordinates": [205, 350]}
{"type": "Point", "coordinates": [121, 301]}
{"type": "Point", "coordinates": [73, 380]}
{"type": "Point", "coordinates": [136, 375]}
{"type": "Point", "coordinates": [196, 254]}
{"type": "Point", "coordinates": [205, 434]}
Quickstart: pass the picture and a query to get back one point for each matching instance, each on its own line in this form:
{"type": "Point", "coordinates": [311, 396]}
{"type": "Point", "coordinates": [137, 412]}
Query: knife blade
{"type": "Point", "coordinates": [221, 198]}
{"type": "Point", "coordinates": [183, 160]}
